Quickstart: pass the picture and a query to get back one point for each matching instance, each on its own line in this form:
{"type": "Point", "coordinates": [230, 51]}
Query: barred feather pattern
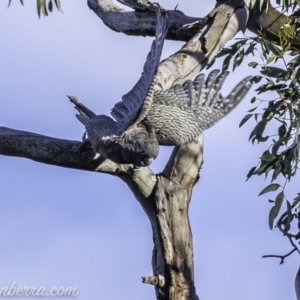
{"type": "Point", "coordinates": [135, 105]}
{"type": "Point", "coordinates": [181, 113]}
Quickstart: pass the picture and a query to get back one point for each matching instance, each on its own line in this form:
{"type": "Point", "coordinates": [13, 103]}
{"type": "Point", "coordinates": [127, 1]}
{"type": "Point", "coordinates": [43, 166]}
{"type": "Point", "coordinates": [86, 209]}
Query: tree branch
{"type": "Point", "coordinates": [142, 21]}
{"type": "Point", "coordinates": [221, 26]}
{"type": "Point", "coordinates": [282, 257]}
{"type": "Point", "coordinates": [53, 151]}
{"type": "Point", "coordinates": [64, 153]}
{"type": "Point", "coordinates": [268, 24]}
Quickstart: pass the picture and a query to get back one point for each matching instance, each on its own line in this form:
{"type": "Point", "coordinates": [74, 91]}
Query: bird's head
{"type": "Point", "coordinates": [140, 148]}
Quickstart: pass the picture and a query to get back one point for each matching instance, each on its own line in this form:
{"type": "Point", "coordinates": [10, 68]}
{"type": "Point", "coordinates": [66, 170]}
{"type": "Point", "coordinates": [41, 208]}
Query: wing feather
{"type": "Point", "coordinates": [181, 113]}
{"type": "Point", "coordinates": [136, 104]}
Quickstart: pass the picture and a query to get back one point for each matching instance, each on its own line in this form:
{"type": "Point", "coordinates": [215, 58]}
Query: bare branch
{"type": "Point", "coordinates": [282, 257]}
{"type": "Point", "coordinates": [54, 151]}
{"type": "Point", "coordinates": [142, 22]}
{"type": "Point", "coordinates": [64, 153]}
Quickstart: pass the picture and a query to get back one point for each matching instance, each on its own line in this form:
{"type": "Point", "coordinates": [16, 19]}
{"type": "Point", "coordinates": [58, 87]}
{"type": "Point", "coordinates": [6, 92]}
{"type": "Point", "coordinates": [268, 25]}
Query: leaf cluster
{"type": "Point", "coordinates": [279, 73]}
{"type": "Point", "coordinates": [43, 7]}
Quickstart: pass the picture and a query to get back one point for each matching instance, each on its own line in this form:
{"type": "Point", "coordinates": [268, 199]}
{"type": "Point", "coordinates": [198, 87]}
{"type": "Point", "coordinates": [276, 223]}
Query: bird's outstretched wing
{"type": "Point", "coordinates": [136, 104]}
{"type": "Point", "coordinates": [181, 113]}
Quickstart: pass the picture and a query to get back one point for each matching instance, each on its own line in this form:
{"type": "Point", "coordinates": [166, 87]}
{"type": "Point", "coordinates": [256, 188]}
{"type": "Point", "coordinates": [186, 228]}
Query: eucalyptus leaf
{"type": "Point", "coordinates": [245, 119]}
{"type": "Point", "coordinates": [258, 129]}
{"type": "Point", "coordinates": [270, 188]}
{"type": "Point", "coordinates": [275, 209]}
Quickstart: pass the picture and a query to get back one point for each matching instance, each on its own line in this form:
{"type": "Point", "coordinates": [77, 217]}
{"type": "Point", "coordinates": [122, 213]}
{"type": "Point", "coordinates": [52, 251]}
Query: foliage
{"type": "Point", "coordinates": [279, 162]}
{"type": "Point", "coordinates": [43, 7]}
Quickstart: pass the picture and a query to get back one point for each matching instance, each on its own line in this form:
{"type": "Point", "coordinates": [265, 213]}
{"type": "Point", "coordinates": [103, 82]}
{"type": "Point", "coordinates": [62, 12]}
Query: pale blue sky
{"type": "Point", "coordinates": [61, 227]}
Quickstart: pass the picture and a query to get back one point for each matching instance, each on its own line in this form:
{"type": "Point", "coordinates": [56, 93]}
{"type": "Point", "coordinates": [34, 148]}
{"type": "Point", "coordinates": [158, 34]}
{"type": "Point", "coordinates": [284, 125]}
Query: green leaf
{"type": "Point", "coordinates": [236, 46]}
{"type": "Point", "coordinates": [250, 49]}
{"type": "Point", "coordinates": [258, 129]}
{"type": "Point", "coordinates": [282, 131]}
{"type": "Point", "coordinates": [265, 167]}
{"type": "Point", "coordinates": [245, 119]}
{"type": "Point", "coordinates": [275, 148]}
{"type": "Point", "coordinates": [9, 2]}
{"type": "Point", "coordinates": [288, 219]}
{"type": "Point", "coordinates": [296, 75]}
{"type": "Point", "coordinates": [238, 59]}
{"type": "Point", "coordinates": [226, 62]}
{"type": "Point", "coordinates": [274, 72]}
{"type": "Point", "coordinates": [253, 64]}
{"type": "Point", "coordinates": [270, 86]}
{"type": "Point", "coordinates": [50, 5]}
{"type": "Point", "coordinates": [270, 58]}
{"type": "Point", "coordinates": [252, 109]}
{"type": "Point", "coordinates": [274, 49]}
{"type": "Point", "coordinates": [288, 169]}
{"type": "Point", "coordinates": [41, 8]}
{"type": "Point", "coordinates": [261, 138]}
{"type": "Point", "coordinates": [276, 171]}
{"type": "Point", "coordinates": [222, 52]}
{"type": "Point", "coordinates": [58, 5]}
{"type": "Point", "coordinates": [282, 141]}
{"type": "Point", "coordinates": [250, 173]}
{"type": "Point", "coordinates": [256, 78]}
{"type": "Point", "coordinates": [270, 188]}
{"type": "Point", "coordinates": [296, 200]}
{"type": "Point", "coordinates": [267, 156]}
{"type": "Point", "coordinates": [275, 209]}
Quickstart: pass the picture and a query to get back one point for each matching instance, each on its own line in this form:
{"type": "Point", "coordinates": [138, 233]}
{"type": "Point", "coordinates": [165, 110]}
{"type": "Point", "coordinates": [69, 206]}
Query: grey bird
{"type": "Point", "coordinates": [146, 118]}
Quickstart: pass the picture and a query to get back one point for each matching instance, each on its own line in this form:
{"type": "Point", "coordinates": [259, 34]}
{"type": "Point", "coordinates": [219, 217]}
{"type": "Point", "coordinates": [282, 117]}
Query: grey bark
{"type": "Point", "coordinates": [164, 197]}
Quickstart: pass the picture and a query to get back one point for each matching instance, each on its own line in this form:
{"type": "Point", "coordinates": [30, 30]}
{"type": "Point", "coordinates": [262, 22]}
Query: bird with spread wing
{"type": "Point", "coordinates": [146, 118]}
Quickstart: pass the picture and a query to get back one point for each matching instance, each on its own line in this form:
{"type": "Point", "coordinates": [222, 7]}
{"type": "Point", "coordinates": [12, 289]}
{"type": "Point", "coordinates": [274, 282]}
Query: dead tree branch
{"type": "Point", "coordinates": [282, 257]}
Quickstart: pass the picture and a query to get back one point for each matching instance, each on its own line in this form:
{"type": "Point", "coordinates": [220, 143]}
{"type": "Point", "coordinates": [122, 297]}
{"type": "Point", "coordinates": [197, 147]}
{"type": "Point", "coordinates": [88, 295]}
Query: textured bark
{"type": "Point", "coordinates": [164, 197]}
{"type": "Point", "coordinates": [172, 197]}
{"type": "Point", "coordinates": [142, 21]}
